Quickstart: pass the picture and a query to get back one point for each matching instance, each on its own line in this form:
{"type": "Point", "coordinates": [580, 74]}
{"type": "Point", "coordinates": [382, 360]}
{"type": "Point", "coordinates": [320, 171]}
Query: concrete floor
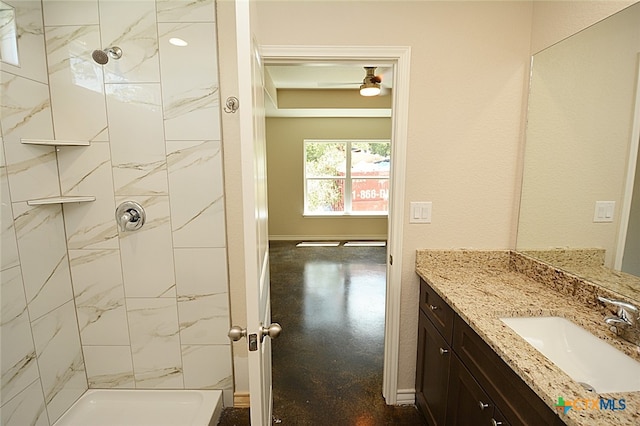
{"type": "Point", "coordinates": [327, 363]}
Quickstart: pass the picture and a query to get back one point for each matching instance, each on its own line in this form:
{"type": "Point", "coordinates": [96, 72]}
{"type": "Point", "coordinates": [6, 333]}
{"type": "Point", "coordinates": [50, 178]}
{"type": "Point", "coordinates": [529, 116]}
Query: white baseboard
{"type": "Point", "coordinates": [382, 237]}
{"type": "Point", "coordinates": [406, 397]}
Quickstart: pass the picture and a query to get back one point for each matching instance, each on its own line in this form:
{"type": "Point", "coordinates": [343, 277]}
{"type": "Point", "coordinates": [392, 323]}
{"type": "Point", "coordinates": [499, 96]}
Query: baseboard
{"type": "Point", "coordinates": [382, 237]}
{"type": "Point", "coordinates": [406, 397]}
{"type": "Point", "coordinates": [241, 400]}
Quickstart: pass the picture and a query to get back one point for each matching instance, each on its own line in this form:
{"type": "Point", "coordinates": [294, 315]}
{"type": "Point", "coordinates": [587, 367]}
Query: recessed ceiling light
{"type": "Point", "coordinates": [178, 42]}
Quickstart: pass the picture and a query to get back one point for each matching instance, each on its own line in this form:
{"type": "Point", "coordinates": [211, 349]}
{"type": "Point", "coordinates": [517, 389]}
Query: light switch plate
{"type": "Point", "coordinates": [604, 211]}
{"type": "Point", "coordinates": [420, 212]}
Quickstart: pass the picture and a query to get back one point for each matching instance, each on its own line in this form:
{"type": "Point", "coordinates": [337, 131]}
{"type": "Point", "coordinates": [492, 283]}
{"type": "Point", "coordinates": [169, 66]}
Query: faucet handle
{"type": "Point", "coordinates": [130, 216]}
{"type": "Point", "coordinates": [620, 304]}
{"type": "Point", "coordinates": [627, 312]}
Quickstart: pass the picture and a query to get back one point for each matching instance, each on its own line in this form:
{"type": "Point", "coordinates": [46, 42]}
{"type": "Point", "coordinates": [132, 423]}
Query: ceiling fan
{"type": "Point", "coordinates": [371, 84]}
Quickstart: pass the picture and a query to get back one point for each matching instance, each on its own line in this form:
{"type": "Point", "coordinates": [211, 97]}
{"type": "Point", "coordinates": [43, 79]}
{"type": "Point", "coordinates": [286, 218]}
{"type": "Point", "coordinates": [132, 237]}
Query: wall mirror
{"type": "Point", "coordinates": [578, 211]}
{"type": "Point", "coordinates": [8, 35]}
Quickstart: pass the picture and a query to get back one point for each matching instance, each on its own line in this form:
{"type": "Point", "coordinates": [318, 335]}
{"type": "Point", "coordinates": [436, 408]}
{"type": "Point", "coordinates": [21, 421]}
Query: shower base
{"type": "Point", "coordinates": [109, 407]}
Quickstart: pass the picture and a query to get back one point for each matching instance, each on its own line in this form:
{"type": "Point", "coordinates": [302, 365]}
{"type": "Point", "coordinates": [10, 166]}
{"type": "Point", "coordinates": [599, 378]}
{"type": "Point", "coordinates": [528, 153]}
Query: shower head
{"type": "Point", "coordinates": [102, 56]}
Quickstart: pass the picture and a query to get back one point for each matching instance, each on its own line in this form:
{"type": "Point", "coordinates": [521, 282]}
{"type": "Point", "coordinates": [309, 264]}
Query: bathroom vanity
{"type": "Point", "coordinates": [474, 369]}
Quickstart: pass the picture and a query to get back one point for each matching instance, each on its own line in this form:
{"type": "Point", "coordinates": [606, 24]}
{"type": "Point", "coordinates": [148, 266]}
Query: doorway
{"type": "Point", "coordinates": [398, 58]}
{"type": "Point", "coordinates": [327, 367]}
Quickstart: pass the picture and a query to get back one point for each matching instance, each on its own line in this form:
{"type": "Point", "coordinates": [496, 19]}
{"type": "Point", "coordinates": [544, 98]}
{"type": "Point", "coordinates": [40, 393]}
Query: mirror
{"type": "Point", "coordinates": [577, 210]}
{"type": "Point", "coordinates": [8, 35]}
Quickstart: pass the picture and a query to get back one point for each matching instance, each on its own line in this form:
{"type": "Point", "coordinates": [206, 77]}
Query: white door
{"type": "Point", "coordinates": [254, 198]}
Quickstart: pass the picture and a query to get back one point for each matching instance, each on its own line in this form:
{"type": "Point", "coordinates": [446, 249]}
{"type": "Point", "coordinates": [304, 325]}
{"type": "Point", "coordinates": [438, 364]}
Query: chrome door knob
{"type": "Point", "coordinates": [272, 331]}
{"type": "Point", "coordinates": [236, 333]}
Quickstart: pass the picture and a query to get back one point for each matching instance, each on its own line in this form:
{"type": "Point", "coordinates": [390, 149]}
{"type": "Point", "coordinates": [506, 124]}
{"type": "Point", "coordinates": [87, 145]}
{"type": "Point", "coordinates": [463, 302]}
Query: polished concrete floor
{"type": "Point", "coordinates": [327, 363]}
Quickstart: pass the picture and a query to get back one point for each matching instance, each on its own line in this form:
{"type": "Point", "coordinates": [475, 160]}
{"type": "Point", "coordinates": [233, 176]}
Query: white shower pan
{"type": "Point", "coordinates": [109, 407]}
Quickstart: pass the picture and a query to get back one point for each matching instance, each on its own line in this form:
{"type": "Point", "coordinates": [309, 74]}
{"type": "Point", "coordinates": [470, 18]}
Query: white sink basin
{"type": "Point", "coordinates": [586, 359]}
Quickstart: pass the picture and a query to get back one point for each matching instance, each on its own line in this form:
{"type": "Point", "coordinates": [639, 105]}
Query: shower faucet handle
{"type": "Point", "coordinates": [130, 216]}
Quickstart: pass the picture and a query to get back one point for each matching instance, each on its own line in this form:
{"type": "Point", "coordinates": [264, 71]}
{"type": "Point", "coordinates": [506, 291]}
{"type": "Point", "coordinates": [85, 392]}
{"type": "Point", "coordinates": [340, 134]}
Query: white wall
{"type": "Point", "coordinates": [82, 304]}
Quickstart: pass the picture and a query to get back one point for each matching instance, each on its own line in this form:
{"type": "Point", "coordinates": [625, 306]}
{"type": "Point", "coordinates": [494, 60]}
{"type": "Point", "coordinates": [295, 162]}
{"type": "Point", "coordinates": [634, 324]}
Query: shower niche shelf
{"type": "Point", "coordinates": [50, 142]}
{"type": "Point", "coordinates": [60, 200]}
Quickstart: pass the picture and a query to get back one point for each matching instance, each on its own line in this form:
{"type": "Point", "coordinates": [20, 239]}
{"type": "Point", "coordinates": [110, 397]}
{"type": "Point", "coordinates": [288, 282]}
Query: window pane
{"type": "Point", "coordinates": [370, 195]}
{"type": "Point", "coordinates": [370, 159]}
{"type": "Point", "coordinates": [325, 159]}
{"type": "Point", "coordinates": [324, 195]}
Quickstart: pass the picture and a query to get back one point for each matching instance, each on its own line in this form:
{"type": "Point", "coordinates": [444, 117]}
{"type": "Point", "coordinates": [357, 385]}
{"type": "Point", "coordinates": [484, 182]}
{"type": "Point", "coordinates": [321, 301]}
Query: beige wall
{"type": "Point", "coordinates": [556, 20]}
{"type": "Point", "coordinates": [285, 171]}
{"type": "Point", "coordinates": [469, 65]}
{"type": "Point", "coordinates": [469, 68]}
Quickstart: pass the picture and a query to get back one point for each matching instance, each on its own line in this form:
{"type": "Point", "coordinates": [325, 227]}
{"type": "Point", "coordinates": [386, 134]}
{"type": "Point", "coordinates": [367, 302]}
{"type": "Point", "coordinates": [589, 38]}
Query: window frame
{"type": "Point", "coordinates": [348, 180]}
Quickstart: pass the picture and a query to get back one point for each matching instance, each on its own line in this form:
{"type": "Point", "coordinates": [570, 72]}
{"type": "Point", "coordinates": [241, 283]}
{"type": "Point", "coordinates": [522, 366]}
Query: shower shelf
{"type": "Point", "coordinates": [49, 142]}
{"type": "Point", "coordinates": [60, 200]}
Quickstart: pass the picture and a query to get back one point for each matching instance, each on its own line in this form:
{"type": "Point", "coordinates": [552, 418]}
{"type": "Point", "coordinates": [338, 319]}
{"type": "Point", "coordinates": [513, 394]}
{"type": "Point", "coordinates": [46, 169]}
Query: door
{"type": "Point", "coordinates": [254, 199]}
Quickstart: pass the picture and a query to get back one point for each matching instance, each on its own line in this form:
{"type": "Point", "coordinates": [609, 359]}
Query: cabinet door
{"type": "Point", "coordinates": [432, 374]}
{"type": "Point", "coordinates": [516, 400]}
{"type": "Point", "coordinates": [437, 310]}
{"type": "Point", "coordinates": [468, 404]}
{"type": "Point", "coordinates": [498, 418]}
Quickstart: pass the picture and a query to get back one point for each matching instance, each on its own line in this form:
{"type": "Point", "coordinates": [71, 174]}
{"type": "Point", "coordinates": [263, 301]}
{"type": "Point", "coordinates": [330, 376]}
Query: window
{"type": "Point", "coordinates": [346, 177]}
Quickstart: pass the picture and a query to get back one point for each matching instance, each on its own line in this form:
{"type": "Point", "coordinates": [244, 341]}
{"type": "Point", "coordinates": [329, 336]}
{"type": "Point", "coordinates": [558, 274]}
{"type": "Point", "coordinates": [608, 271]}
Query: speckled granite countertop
{"type": "Point", "coordinates": [482, 286]}
{"type": "Point", "coordinates": [589, 264]}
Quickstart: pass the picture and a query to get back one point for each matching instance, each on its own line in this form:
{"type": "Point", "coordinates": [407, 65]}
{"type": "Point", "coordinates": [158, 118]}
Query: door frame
{"type": "Point", "coordinates": [399, 57]}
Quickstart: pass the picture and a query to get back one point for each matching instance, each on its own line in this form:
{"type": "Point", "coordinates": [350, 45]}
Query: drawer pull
{"type": "Point", "coordinates": [433, 307]}
{"type": "Point", "coordinates": [444, 351]}
{"type": "Point", "coordinates": [483, 405]}
{"type": "Point", "coordinates": [494, 422]}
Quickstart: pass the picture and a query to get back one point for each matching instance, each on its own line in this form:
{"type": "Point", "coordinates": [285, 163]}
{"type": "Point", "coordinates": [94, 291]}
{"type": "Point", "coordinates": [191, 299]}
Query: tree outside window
{"type": "Point", "coordinates": [346, 177]}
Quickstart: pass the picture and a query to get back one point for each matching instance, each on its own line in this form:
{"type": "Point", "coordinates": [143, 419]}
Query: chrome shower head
{"type": "Point", "coordinates": [102, 56]}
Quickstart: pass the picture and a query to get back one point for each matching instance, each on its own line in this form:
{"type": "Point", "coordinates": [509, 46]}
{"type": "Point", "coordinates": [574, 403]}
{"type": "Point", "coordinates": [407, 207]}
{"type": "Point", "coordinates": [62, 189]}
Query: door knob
{"type": "Point", "coordinates": [272, 331]}
{"type": "Point", "coordinates": [236, 333]}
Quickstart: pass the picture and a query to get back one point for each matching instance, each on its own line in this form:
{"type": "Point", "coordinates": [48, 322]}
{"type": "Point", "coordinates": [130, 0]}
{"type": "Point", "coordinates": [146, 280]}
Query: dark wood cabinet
{"type": "Point", "coordinates": [468, 403]}
{"type": "Point", "coordinates": [460, 380]}
{"type": "Point", "coordinates": [437, 310]}
{"type": "Point", "coordinates": [516, 400]}
{"type": "Point", "coordinates": [432, 378]}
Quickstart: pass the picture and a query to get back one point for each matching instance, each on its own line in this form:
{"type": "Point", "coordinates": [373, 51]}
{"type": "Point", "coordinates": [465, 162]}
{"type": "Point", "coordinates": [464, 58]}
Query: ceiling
{"type": "Point", "coordinates": [319, 81]}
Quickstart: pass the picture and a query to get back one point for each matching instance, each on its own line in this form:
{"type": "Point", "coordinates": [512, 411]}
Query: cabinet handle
{"type": "Point", "coordinates": [494, 422]}
{"type": "Point", "coordinates": [433, 307]}
{"type": "Point", "coordinates": [444, 351]}
{"type": "Point", "coordinates": [483, 405]}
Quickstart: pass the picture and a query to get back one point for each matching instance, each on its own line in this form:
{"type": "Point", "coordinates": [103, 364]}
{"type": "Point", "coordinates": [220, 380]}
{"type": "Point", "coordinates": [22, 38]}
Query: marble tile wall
{"type": "Point", "coordinates": [84, 304]}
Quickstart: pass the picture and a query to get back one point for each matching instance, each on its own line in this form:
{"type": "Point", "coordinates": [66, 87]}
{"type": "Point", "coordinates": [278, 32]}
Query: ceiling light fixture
{"type": "Point", "coordinates": [178, 42]}
{"type": "Point", "coordinates": [371, 83]}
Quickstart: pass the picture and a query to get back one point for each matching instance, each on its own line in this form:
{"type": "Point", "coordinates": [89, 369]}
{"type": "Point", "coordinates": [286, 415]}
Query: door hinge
{"type": "Point", "coordinates": [391, 259]}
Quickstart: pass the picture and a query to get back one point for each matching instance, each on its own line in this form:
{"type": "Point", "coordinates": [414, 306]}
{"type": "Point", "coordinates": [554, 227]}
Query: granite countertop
{"type": "Point", "coordinates": [482, 286]}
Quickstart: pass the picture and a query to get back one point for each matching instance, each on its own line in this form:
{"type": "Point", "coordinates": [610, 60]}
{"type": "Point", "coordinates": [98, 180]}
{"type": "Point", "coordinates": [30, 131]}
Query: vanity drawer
{"type": "Point", "coordinates": [437, 310]}
{"type": "Point", "coordinates": [519, 404]}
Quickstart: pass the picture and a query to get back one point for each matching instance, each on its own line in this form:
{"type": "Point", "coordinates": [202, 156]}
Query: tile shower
{"type": "Point", "coordinates": [84, 305]}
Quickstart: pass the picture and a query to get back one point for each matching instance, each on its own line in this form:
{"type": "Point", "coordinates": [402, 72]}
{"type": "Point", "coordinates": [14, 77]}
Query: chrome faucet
{"type": "Point", "coordinates": [626, 322]}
